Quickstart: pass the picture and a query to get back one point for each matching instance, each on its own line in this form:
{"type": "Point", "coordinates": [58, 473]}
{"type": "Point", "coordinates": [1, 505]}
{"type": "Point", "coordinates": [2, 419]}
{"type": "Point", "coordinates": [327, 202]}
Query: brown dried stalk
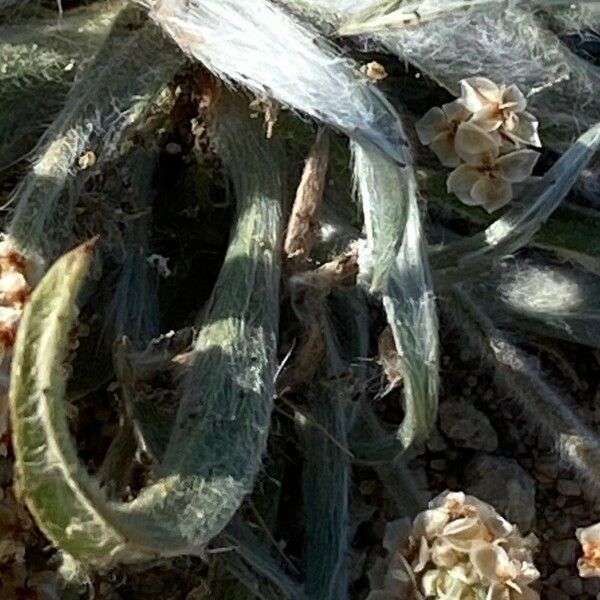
{"type": "Point", "coordinates": [304, 218]}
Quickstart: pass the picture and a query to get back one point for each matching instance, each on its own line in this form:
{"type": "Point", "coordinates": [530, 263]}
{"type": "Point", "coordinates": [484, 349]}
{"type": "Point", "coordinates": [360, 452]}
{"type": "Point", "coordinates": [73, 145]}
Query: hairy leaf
{"type": "Point", "coordinates": [516, 228]}
{"type": "Point", "coordinates": [396, 259]}
{"type": "Point", "coordinates": [262, 47]}
{"type": "Point", "coordinates": [216, 446]}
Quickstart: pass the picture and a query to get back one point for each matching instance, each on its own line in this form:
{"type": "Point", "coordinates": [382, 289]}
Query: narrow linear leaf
{"type": "Point", "coordinates": [516, 228]}
{"type": "Point", "coordinates": [220, 434]}
{"type": "Point", "coordinates": [259, 45]}
{"type": "Point", "coordinates": [507, 42]}
{"type": "Point", "coordinates": [397, 261]}
{"type": "Point", "coordinates": [39, 60]}
{"type": "Point", "coordinates": [64, 500]}
{"type": "Point", "coordinates": [519, 377]}
{"type": "Point", "coordinates": [326, 478]}
{"type": "Point", "coordinates": [570, 232]}
{"type": "Point", "coordinates": [114, 91]}
{"type": "Point", "coordinates": [252, 560]}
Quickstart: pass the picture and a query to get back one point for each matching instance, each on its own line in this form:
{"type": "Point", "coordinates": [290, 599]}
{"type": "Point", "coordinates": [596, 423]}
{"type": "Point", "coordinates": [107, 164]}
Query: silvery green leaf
{"type": "Point", "coordinates": [396, 265]}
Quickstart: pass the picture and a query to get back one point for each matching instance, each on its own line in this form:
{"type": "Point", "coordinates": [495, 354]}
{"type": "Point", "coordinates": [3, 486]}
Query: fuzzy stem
{"type": "Point", "coordinates": [115, 90]}
{"type": "Point", "coordinates": [397, 262]}
{"type": "Point", "coordinates": [518, 376]}
{"type": "Point", "coordinates": [220, 434]}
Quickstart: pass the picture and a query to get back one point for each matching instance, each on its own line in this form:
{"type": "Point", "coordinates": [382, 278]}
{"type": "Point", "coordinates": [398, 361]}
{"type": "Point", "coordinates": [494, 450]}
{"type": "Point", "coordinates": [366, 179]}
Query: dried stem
{"type": "Point", "coordinates": [304, 219]}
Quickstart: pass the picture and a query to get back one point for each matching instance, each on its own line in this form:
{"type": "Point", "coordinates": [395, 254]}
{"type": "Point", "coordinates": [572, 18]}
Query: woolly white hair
{"type": "Point", "coordinates": [507, 44]}
{"type": "Point", "coordinates": [395, 263]}
{"type": "Point", "coordinates": [4, 4]}
{"type": "Point", "coordinates": [515, 229]}
{"type": "Point", "coordinates": [518, 375]}
{"type": "Point", "coordinates": [549, 299]}
{"type": "Point", "coordinates": [261, 46]}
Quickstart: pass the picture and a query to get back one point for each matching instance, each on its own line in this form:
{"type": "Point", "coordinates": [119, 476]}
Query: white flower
{"type": "Point", "coordinates": [509, 578]}
{"type": "Point", "coordinates": [437, 129]}
{"type": "Point", "coordinates": [11, 260]}
{"type": "Point", "coordinates": [487, 179]}
{"type": "Point", "coordinates": [458, 549]}
{"type": "Point", "coordinates": [589, 563]}
{"type": "Point", "coordinates": [13, 289]}
{"type": "Point", "coordinates": [430, 523]}
{"type": "Point", "coordinates": [501, 108]}
{"type": "Point", "coordinates": [472, 143]}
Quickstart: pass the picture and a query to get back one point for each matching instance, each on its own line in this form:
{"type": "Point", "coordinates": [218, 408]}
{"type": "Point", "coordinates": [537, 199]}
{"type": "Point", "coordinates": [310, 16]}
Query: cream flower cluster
{"type": "Point", "coordinates": [589, 563]}
{"type": "Point", "coordinates": [482, 135]}
{"type": "Point", "coordinates": [459, 549]}
{"type": "Point", "coordinates": [18, 275]}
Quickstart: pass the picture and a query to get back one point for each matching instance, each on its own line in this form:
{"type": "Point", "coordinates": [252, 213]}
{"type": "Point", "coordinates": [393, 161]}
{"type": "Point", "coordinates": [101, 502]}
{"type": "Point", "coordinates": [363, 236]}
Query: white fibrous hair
{"type": "Point", "coordinates": [4, 4]}
{"type": "Point", "coordinates": [394, 263]}
{"type": "Point", "coordinates": [515, 229]}
{"type": "Point", "coordinates": [117, 88]}
{"type": "Point", "coordinates": [549, 299]}
{"type": "Point", "coordinates": [510, 46]}
{"type": "Point", "coordinates": [259, 45]}
{"type": "Point", "coordinates": [38, 64]}
{"type": "Point", "coordinates": [582, 18]}
{"type": "Point", "coordinates": [519, 376]}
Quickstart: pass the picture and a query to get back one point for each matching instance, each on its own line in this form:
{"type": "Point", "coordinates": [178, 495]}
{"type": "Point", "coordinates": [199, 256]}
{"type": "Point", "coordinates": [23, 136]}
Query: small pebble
{"type": "Point", "coordinates": [559, 575]}
{"type": "Point", "coordinates": [555, 594]}
{"type": "Point", "coordinates": [173, 149]}
{"type": "Point", "coordinates": [564, 552]}
{"type": "Point", "coordinates": [436, 442]}
{"type": "Point", "coordinates": [567, 487]}
{"type": "Point", "coordinates": [591, 586]}
{"type": "Point", "coordinates": [548, 467]}
{"type": "Point", "coordinates": [438, 464]}
{"type": "Point", "coordinates": [572, 586]}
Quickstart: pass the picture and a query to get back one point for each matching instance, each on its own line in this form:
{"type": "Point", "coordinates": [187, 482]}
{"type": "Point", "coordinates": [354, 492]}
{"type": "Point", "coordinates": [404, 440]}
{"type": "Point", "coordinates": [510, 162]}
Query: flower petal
{"type": "Point", "coordinates": [456, 111]}
{"type": "Point", "coordinates": [429, 523]}
{"type": "Point", "coordinates": [514, 97]}
{"type": "Point", "coordinates": [525, 130]}
{"type": "Point", "coordinates": [589, 563]}
{"type": "Point", "coordinates": [429, 582]}
{"type": "Point", "coordinates": [497, 592]}
{"type": "Point", "coordinates": [443, 147]}
{"type": "Point", "coordinates": [498, 526]}
{"type": "Point", "coordinates": [472, 142]}
{"type": "Point", "coordinates": [461, 181]}
{"type": "Point", "coordinates": [488, 118]}
{"type": "Point", "coordinates": [463, 533]}
{"type": "Point", "coordinates": [423, 557]}
{"type": "Point", "coordinates": [448, 500]}
{"type": "Point", "coordinates": [589, 535]}
{"type": "Point", "coordinates": [477, 92]}
{"type": "Point", "coordinates": [492, 193]}
{"type": "Point", "coordinates": [587, 569]}
{"type": "Point", "coordinates": [443, 554]}
{"type": "Point", "coordinates": [431, 124]}
{"type": "Point", "coordinates": [492, 562]}
{"type": "Point", "coordinates": [517, 166]}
